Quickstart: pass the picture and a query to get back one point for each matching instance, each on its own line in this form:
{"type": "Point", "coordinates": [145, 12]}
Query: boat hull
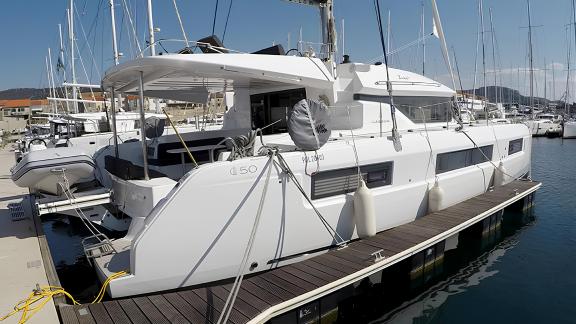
{"type": "Point", "coordinates": [569, 129]}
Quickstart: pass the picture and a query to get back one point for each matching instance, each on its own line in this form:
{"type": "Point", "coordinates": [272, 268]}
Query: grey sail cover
{"type": "Point", "coordinates": [309, 125]}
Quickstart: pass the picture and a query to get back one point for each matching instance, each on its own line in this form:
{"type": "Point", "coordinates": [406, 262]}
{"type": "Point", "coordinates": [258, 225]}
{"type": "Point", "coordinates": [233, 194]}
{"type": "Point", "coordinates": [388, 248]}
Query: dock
{"type": "Point", "coordinates": [25, 259]}
{"type": "Point", "coordinates": [268, 295]}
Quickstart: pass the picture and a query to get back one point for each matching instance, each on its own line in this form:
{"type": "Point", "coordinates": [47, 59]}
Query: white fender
{"type": "Point", "coordinates": [435, 198]}
{"type": "Point", "coordinates": [364, 213]}
{"type": "Point", "coordinates": [500, 175]}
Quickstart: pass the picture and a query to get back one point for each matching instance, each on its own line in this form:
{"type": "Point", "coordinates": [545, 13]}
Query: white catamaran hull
{"type": "Point", "coordinates": [212, 209]}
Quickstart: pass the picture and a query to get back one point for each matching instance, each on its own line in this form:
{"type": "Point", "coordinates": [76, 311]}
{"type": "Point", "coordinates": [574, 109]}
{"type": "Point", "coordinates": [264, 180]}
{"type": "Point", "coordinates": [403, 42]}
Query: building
{"type": "Point", "coordinates": [15, 114]}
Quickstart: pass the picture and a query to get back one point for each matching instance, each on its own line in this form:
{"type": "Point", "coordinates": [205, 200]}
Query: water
{"type": "Point", "coordinates": [530, 277]}
{"type": "Point", "coordinates": [525, 272]}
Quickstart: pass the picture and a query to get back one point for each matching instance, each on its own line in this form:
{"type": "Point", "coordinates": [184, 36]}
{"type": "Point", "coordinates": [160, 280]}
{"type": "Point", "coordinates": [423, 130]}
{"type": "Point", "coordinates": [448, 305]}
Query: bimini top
{"type": "Point", "coordinates": [190, 77]}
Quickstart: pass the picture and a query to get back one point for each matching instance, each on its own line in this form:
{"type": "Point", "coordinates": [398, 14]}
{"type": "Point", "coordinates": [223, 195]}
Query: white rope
{"type": "Point", "coordinates": [70, 196]}
{"type": "Point", "coordinates": [229, 305]}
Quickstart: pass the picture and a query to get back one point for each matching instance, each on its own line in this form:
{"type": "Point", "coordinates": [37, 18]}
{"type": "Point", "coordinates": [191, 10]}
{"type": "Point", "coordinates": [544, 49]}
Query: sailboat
{"type": "Point", "coordinates": [302, 136]}
{"type": "Point", "coordinates": [569, 123]}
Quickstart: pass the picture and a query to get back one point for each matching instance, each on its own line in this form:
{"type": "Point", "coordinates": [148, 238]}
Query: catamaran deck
{"type": "Point", "coordinates": [267, 295]}
{"type": "Point", "coordinates": [24, 255]}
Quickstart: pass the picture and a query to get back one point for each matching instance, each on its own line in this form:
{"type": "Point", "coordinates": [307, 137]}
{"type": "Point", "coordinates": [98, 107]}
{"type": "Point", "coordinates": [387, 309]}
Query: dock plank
{"type": "Point", "coordinates": [67, 314]}
{"type": "Point", "coordinates": [164, 306]}
{"type": "Point", "coordinates": [133, 312]}
{"type": "Point", "coordinates": [261, 291]}
{"type": "Point", "coordinates": [100, 314]}
{"type": "Point", "coordinates": [116, 313]}
{"type": "Point", "coordinates": [151, 312]}
{"type": "Point", "coordinates": [189, 312]}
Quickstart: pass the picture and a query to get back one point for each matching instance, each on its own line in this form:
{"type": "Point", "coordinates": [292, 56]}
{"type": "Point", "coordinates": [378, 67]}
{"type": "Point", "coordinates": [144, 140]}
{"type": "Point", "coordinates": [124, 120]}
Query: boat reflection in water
{"type": "Point", "coordinates": [414, 290]}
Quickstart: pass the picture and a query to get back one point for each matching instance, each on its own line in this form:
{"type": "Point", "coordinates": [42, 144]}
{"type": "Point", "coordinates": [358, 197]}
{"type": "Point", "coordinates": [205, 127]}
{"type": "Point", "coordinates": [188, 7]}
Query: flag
{"type": "Point", "coordinates": [59, 65]}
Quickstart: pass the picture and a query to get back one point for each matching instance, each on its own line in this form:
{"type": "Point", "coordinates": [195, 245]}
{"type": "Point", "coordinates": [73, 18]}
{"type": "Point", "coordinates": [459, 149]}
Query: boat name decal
{"type": "Point", "coordinates": [243, 169]}
{"type": "Point", "coordinates": [312, 158]}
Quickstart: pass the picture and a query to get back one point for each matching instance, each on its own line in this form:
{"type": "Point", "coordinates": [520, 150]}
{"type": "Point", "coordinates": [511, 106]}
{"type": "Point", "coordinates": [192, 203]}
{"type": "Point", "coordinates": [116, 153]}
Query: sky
{"type": "Point", "coordinates": [29, 27]}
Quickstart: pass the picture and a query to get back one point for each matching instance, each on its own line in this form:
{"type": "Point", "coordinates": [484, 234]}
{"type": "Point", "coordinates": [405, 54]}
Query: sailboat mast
{"type": "Point", "coordinates": [423, 42]}
{"type": "Point", "coordinates": [388, 33]}
{"type": "Point", "coordinates": [51, 77]}
{"type": "Point", "coordinates": [545, 81]}
{"type": "Point", "coordinates": [530, 55]}
{"type": "Point", "coordinates": [63, 65]}
{"type": "Point", "coordinates": [72, 59]}
{"type": "Point", "coordinates": [493, 54]}
{"type": "Point", "coordinates": [483, 59]}
{"type": "Point", "coordinates": [114, 41]}
{"type": "Point", "coordinates": [151, 29]}
{"type": "Point", "coordinates": [50, 93]}
{"type": "Point", "coordinates": [574, 22]}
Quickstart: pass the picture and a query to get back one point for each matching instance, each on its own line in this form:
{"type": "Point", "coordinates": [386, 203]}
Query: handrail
{"type": "Point", "coordinates": [193, 43]}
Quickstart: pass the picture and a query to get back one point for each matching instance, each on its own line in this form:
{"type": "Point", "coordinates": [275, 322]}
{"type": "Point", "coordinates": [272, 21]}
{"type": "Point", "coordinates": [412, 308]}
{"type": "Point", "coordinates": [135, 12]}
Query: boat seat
{"type": "Point", "coordinates": [126, 170]}
{"type": "Point", "coordinates": [165, 158]}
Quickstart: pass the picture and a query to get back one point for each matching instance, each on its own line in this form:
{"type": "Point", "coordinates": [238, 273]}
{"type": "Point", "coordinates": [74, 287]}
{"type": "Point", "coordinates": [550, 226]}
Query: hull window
{"type": "Point", "coordinates": [342, 181]}
{"type": "Point", "coordinates": [464, 158]}
{"type": "Point", "coordinates": [274, 107]}
{"type": "Point", "coordinates": [515, 146]}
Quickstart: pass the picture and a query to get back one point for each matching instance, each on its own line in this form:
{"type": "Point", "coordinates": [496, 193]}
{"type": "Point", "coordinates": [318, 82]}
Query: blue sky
{"type": "Point", "coordinates": [29, 27]}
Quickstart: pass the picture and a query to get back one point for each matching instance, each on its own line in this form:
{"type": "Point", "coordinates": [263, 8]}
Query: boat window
{"type": "Point", "coordinates": [464, 158]}
{"type": "Point", "coordinates": [341, 181]}
{"type": "Point", "coordinates": [267, 108]}
{"type": "Point", "coordinates": [515, 146]}
{"type": "Point", "coordinates": [417, 109]}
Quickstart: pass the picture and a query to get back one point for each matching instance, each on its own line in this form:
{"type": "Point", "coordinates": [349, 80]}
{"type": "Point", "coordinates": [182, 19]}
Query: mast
{"type": "Point", "coordinates": [483, 59]}
{"type": "Point", "coordinates": [567, 102]}
{"type": "Point", "coordinates": [574, 22]}
{"type": "Point", "coordinates": [329, 32]}
{"type": "Point", "coordinates": [51, 77]}
{"type": "Point", "coordinates": [63, 65]}
{"type": "Point", "coordinates": [423, 42]}
{"type": "Point", "coordinates": [114, 41]}
{"type": "Point", "coordinates": [388, 32]}
{"type": "Point", "coordinates": [51, 94]}
{"type": "Point", "coordinates": [493, 54]}
{"type": "Point", "coordinates": [530, 55]}
{"type": "Point", "coordinates": [72, 49]}
{"type": "Point", "coordinates": [553, 83]}
{"type": "Point", "coordinates": [151, 29]}
{"type": "Point", "coordinates": [545, 80]}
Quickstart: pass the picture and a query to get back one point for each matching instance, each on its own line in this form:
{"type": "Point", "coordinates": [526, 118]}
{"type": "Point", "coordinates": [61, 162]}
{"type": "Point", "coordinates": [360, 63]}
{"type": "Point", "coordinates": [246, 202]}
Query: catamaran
{"type": "Point", "coordinates": [312, 154]}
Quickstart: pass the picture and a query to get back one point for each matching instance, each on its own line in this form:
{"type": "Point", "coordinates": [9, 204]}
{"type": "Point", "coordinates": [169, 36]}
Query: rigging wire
{"type": "Point", "coordinates": [131, 23]}
{"type": "Point", "coordinates": [227, 18]}
{"type": "Point", "coordinates": [215, 14]}
{"type": "Point", "coordinates": [87, 45]}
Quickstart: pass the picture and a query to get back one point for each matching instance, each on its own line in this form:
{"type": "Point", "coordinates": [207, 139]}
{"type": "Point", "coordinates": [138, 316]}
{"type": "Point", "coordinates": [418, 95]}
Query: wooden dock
{"type": "Point", "coordinates": [25, 258]}
{"type": "Point", "coordinates": [267, 295]}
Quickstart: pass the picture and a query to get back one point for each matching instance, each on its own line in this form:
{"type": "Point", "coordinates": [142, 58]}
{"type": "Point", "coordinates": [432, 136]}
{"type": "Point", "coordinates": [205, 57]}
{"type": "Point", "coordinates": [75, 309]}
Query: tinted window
{"type": "Point", "coordinates": [515, 146]}
{"type": "Point", "coordinates": [418, 109]}
{"type": "Point", "coordinates": [460, 159]}
{"type": "Point", "coordinates": [341, 181]}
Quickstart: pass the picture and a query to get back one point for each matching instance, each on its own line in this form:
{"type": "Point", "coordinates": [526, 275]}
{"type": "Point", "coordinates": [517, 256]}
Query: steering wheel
{"type": "Point", "coordinates": [36, 140]}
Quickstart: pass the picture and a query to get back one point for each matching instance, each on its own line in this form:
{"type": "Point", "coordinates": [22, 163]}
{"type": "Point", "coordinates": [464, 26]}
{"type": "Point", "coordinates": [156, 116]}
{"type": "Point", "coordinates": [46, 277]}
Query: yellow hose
{"type": "Point", "coordinates": [41, 296]}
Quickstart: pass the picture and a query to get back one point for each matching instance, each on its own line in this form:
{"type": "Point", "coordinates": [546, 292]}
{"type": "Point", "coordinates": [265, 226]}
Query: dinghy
{"type": "Point", "coordinates": [51, 170]}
